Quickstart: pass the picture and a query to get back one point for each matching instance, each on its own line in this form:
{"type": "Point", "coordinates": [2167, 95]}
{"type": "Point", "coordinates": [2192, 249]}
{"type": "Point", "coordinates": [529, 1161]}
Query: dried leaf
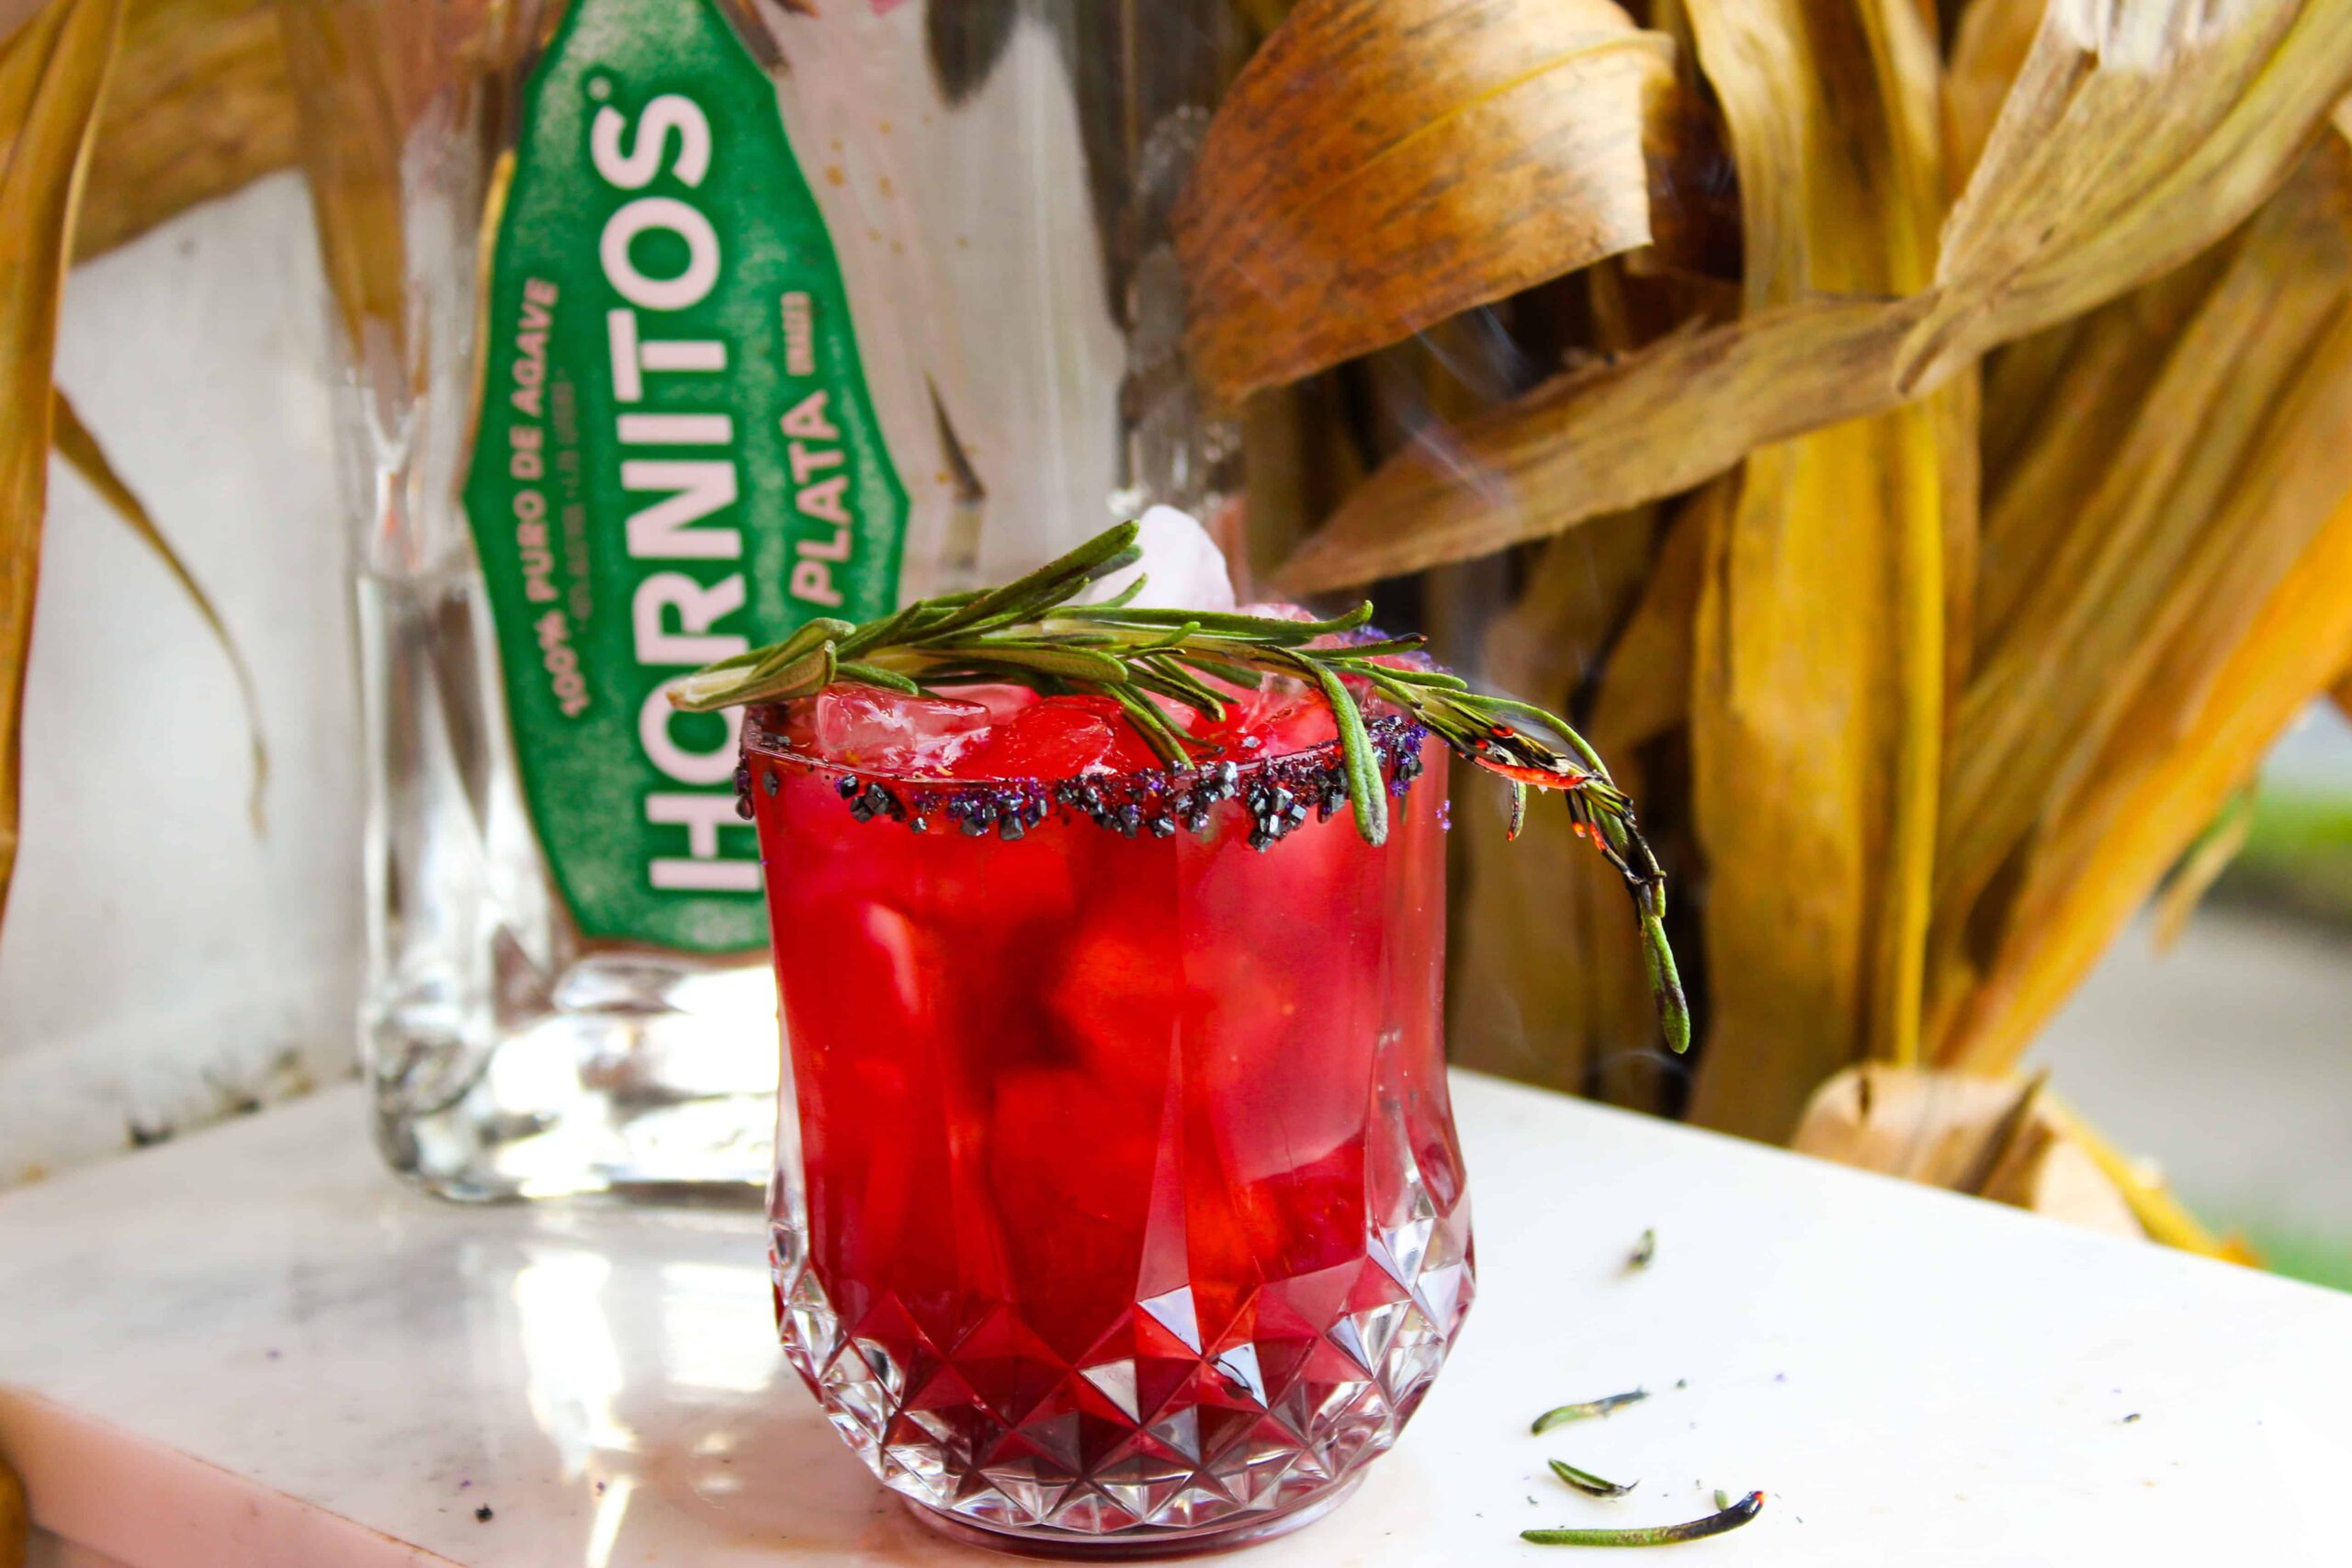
{"type": "Point", "coordinates": [2237, 452]}
{"type": "Point", "coordinates": [1645, 692]}
{"type": "Point", "coordinates": [15, 1520]}
{"type": "Point", "coordinates": [1579, 593]}
{"type": "Point", "coordinates": [2159, 1213]}
{"type": "Point", "coordinates": [1544, 990]}
{"type": "Point", "coordinates": [1940, 1129]}
{"type": "Point", "coordinates": [2042, 397]}
{"type": "Point", "coordinates": [2251, 81]}
{"type": "Point", "coordinates": [2131, 139]}
{"type": "Point", "coordinates": [1993, 1137]}
{"type": "Point", "coordinates": [2191, 744]}
{"type": "Point", "coordinates": [376, 88]}
{"type": "Point", "coordinates": [2202, 866]}
{"type": "Point", "coordinates": [361, 81]}
{"type": "Point", "coordinates": [1987, 51]}
{"type": "Point", "coordinates": [199, 105]}
{"type": "Point", "coordinates": [79, 447]}
{"type": "Point", "coordinates": [1605, 438]}
{"type": "Point", "coordinates": [52, 81]}
{"type": "Point", "coordinates": [1818, 694]}
{"type": "Point", "coordinates": [1262, 17]}
{"type": "Point", "coordinates": [1381, 164]}
{"type": "Point", "coordinates": [2267, 627]}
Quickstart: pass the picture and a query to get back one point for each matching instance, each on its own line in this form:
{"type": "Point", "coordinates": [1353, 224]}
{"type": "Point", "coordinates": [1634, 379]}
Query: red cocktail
{"type": "Point", "coordinates": [1117, 1203]}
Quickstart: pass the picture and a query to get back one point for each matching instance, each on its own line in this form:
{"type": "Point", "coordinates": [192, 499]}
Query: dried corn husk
{"type": "Point", "coordinates": [2162, 128]}
{"type": "Point", "coordinates": [1645, 696]}
{"type": "Point", "coordinates": [15, 1520]}
{"type": "Point", "coordinates": [2198, 728]}
{"type": "Point", "coordinates": [52, 83]}
{"type": "Point", "coordinates": [1818, 679]}
{"type": "Point", "coordinates": [199, 105]}
{"type": "Point", "coordinates": [1988, 49]}
{"type": "Point", "coordinates": [2202, 866]}
{"type": "Point", "coordinates": [364, 65]}
{"type": "Point", "coordinates": [2209, 485]}
{"type": "Point", "coordinates": [2041, 395]}
{"type": "Point", "coordinates": [1552, 998]}
{"type": "Point", "coordinates": [1948, 1130]}
{"type": "Point", "coordinates": [1996, 1137]}
{"type": "Point", "coordinates": [2161, 1216]}
{"type": "Point", "coordinates": [79, 449]}
{"type": "Point", "coordinates": [2129, 138]}
{"type": "Point", "coordinates": [1485, 145]}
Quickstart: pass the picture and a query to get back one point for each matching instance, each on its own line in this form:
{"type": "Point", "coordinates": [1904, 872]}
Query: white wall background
{"type": "Point", "coordinates": [161, 966]}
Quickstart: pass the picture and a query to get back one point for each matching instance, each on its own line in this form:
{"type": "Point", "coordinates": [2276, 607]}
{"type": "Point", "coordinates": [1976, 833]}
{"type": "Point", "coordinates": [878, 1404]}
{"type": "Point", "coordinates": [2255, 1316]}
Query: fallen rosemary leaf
{"type": "Point", "coordinates": [1728, 1518]}
{"type": "Point", "coordinates": [1560, 1414]}
{"type": "Point", "coordinates": [1645, 1250]}
{"type": "Point", "coordinates": [1584, 1481]}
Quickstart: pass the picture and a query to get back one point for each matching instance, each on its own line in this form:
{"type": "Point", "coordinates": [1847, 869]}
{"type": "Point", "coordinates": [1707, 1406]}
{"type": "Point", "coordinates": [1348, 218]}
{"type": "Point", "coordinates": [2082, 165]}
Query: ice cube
{"type": "Point", "coordinates": [865, 727]}
{"type": "Point", "coordinates": [1002, 702]}
{"type": "Point", "coordinates": [1281, 717]}
{"type": "Point", "coordinates": [1058, 738]}
{"type": "Point", "coordinates": [1182, 568]}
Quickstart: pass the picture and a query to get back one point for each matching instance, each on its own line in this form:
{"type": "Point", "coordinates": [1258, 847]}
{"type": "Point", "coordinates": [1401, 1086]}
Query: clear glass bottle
{"type": "Point", "coordinates": [665, 325]}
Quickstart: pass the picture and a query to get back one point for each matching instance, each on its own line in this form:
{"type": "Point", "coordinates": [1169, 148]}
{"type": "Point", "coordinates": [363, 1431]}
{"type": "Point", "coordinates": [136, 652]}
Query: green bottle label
{"type": "Point", "coordinates": [677, 457]}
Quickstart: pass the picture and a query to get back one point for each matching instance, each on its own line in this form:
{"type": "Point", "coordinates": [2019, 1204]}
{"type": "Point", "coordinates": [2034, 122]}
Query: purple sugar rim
{"type": "Point", "coordinates": [1280, 791]}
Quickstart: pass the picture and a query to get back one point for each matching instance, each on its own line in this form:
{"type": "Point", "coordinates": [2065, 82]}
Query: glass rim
{"type": "Point", "coordinates": [760, 739]}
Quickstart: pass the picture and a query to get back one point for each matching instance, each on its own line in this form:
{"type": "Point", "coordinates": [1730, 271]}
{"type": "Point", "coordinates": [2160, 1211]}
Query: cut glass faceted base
{"type": "Point", "coordinates": [1165, 1429]}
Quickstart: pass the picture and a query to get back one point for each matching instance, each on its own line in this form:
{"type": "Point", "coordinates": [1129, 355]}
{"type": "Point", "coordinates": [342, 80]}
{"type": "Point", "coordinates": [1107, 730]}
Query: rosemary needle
{"type": "Point", "coordinates": [1716, 1523]}
{"type": "Point", "coordinates": [1562, 1413]}
{"type": "Point", "coordinates": [1584, 1481]}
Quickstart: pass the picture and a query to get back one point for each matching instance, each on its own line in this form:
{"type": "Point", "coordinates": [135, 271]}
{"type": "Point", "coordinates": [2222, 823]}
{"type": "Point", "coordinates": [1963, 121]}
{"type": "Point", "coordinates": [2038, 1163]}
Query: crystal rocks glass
{"type": "Point", "coordinates": [1119, 1208]}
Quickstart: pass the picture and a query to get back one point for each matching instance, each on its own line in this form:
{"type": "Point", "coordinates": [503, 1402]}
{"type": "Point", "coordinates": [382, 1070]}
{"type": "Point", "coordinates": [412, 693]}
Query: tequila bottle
{"type": "Point", "coordinates": [666, 325]}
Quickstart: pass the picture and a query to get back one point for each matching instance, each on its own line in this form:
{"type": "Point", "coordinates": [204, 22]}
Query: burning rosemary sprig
{"type": "Point", "coordinates": [1031, 633]}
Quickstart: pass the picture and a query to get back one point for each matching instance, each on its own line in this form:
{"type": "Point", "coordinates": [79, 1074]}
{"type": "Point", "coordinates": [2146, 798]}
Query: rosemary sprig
{"type": "Point", "coordinates": [1030, 632]}
{"type": "Point", "coordinates": [1730, 1518]}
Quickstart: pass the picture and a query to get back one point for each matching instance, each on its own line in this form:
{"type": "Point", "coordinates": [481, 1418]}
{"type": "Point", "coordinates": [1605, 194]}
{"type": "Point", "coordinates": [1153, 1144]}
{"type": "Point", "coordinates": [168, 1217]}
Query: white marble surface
{"type": "Point", "coordinates": [251, 1348]}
